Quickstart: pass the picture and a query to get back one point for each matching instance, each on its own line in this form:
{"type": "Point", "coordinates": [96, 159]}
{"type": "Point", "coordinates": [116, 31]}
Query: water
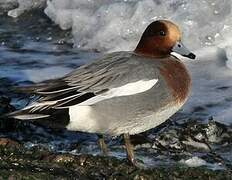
{"type": "Point", "coordinates": [34, 48]}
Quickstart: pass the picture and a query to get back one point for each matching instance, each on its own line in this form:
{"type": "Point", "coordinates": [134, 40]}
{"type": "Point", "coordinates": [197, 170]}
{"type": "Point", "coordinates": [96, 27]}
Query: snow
{"type": "Point", "coordinates": [113, 25]}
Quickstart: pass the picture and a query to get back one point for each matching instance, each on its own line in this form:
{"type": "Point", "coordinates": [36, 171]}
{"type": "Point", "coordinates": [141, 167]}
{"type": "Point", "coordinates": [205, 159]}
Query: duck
{"type": "Point", "coordinates": [121, 93]}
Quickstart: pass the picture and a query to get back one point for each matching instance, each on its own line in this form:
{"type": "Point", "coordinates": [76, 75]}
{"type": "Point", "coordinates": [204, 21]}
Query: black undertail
{"type": "Point", "coordinates": [50, 115]}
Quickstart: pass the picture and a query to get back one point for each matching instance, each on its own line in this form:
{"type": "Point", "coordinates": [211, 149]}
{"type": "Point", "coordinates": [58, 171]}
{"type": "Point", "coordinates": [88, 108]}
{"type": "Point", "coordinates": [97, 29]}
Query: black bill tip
{"type": "Point", "coordinates": [191, 56]}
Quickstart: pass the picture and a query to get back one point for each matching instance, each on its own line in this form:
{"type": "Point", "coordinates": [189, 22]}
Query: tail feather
{"type": "Point", "coordinates": [45, 87]}
{"type": "Point", "coordinates": [51, 108]}
{"type": "Point", "coordinates": [58, 118]}
{"type": "Point", "coordinates": [26, 114]}
{"type": "Point", "coordinates": [30, 116]}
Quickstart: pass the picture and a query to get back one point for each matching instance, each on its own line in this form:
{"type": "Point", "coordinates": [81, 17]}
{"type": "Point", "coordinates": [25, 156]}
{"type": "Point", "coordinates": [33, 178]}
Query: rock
{"type": "Point", "coordinates": [5, 142]}
{"type": "Point", "coordinates": [139, 139]}
{"type": "Point", "coordinates": [31, 164]}
{"type": "Point", "coordinates": [5, 106]}
{"type": "Point", "coordinates": [64, 158]}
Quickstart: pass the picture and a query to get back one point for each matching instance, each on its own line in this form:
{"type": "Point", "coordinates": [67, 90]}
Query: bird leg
{"type": "Point", "coordinates": [129, 149]}
{"type": "Point", "coordinates": [102, 145]}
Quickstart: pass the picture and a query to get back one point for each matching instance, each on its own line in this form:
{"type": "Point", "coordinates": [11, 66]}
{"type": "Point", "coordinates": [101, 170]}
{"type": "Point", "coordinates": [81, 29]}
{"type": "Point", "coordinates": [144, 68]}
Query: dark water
{"type": "Point", "coordinates": [32, 48]}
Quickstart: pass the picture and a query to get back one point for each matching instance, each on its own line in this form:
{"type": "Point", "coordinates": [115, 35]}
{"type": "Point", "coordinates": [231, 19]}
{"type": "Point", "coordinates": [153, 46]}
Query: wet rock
{"type": "Point", "coordinates": [217, 132]}
{"type": "Point", "coordinates": [64, 158]}
{"type": "Point", "coordinates": [27, 6]}
{"type": "Point", "coordinates": [198, 109]}
{"type": "Point", "coordinates": [7, 5]}
{"type": "Point", "coordinates": [5, 105]}
{"type": "Point", "coordinates": [40, 163]}
{"type": "Point", "coordinates": [139, 139]}
{"type": "Point", "coordinates": [193, 143]}
{"type": "Point", "coordinates": [5, 142]}
{"type": "Point", "coordinates": [223, 87]}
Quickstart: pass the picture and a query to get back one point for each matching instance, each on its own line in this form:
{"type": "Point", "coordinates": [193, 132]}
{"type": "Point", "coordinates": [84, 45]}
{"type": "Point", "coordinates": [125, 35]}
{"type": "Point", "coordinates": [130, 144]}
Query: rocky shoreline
{"type": "Point", "coordinates": [20, 163]}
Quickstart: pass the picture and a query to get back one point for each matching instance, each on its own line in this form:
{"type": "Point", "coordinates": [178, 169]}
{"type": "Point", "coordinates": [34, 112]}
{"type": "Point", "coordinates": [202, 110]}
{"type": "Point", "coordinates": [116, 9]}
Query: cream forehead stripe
{"type": "Point", "coordinates": [174, 32]}
{"type": "Point", "coordinates": [125, 90]}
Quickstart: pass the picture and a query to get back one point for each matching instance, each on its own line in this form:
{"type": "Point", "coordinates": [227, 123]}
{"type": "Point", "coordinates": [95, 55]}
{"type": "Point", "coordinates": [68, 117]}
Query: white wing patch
{"type": "Point", "coordinates": [125, 90]}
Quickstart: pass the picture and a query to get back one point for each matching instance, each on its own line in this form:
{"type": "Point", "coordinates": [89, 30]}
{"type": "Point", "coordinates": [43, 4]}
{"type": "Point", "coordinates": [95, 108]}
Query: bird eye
{"type": "Point", "coordinates": [162, 33]}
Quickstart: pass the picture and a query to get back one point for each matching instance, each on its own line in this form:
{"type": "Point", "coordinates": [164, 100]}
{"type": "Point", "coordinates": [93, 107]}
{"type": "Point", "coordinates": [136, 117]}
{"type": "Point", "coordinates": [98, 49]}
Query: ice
{"type": "Point", "coordinates": [197, 162]}
{"type": "Point", "coordinates": [194, 162]}
{"type": "Point", "coordinates": [110, 25]}
{"type": "Point", "coordinates": [103, 25]}
{"type": "Point", "coordinates": [115, 25]}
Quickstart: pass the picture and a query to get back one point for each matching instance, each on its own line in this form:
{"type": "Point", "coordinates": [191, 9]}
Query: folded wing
{"type": "Point", "coordinates": [117, 74]}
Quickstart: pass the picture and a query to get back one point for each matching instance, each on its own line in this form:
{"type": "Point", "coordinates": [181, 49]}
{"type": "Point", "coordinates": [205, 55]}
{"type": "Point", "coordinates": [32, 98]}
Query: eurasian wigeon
{"type": "Point", "coordinates": [121, 93]}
